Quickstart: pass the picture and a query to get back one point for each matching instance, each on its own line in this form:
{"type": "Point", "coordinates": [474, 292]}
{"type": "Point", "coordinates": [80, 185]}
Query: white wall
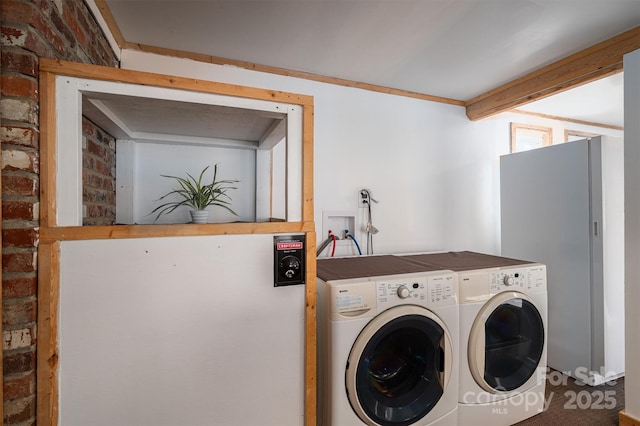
{"type": "Point", "coordinates": [632, 230]}
{"type": "Point", "coordinates": [434, 172]}
{"type": "Point", "coordinates": [154, 159]}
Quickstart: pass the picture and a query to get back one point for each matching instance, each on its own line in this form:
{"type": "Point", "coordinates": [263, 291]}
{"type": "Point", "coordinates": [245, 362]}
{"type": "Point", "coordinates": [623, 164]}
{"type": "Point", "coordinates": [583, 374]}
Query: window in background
{"type": "Point", "coordinates": [576, 135]}
{"type": "Point", "coordinates": [526, 136]}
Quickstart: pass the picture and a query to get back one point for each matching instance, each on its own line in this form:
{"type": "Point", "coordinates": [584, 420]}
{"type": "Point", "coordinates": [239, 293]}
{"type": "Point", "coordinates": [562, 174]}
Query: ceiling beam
{"type": "Point", "coordinates": [593, 63]}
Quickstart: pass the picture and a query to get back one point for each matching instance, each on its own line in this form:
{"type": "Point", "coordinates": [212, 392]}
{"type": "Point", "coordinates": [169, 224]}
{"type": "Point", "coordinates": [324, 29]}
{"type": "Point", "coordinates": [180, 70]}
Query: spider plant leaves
{"type": "Point", "coordinates": [196, 194]}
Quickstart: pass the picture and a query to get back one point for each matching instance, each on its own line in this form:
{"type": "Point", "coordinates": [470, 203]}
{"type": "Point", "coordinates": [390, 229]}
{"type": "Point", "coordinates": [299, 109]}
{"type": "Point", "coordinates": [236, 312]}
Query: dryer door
{"type": "Point", "coordinates": [399, 366]}
{"type": "Point", "coordinates": [506, 342]}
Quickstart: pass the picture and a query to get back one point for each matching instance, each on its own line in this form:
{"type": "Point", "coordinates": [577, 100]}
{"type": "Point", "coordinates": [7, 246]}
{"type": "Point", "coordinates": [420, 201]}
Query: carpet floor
{"type": "Point", "coordinates": [569, 402]}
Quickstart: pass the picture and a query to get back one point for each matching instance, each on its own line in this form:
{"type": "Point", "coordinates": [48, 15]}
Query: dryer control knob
{"type": "Point", "coordinates": [403, 292]}
{"type": "Point", "coordinates": [508, 280]}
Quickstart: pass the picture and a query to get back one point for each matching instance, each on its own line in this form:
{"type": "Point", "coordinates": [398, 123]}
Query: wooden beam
{"type": "Point", "coordinates": [588, 65]}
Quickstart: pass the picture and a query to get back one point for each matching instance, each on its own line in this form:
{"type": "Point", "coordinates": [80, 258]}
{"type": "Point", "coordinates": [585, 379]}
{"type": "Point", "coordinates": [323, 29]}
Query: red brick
{"type": "Point", "coordinates": [101, 168]}
{"type": "Point", "coordinates": [19, 411]}
{"type": "Point", "coordinates": [19, 387]}
{"type": "Point", "coordinates": [21, 362]}
{"type": "Point", "coordinates": [26, 136]}
{"type": "Point", "coordinates": [73, 25]}
{"type": "Point", "coordinates": [28, 13]}
{"type": "Point", "coordinates": [88, 128]}
{"type": "Point", "coordinates": [109, 184]}
{"type": "Point", "coordinates": [63, 28]}
{"type": "Point", "coordinates": [22, 338]}
{"type": "Point", "coordinates": [88, 24]}
{"type": "Point", "coordinates": [20, 237]}
{"type": "Point", "coordinates": [19, 262]}
{"type": "Point", "coordinates": [19, 185]}
{"type": "Point", "coordinates": [94, 181]}
{"type": "Point", "coordinates": [24, 286]}
{"type": "Point", "coordinates": [20, 109]}
{"type": "Point", "coordinates": [95, 148]}
{"type": "Point", "coordinates": [18, 311]}
{"type": "Point", "coordinates": [13, 36]}
{"type": "Point", "coordinates": [26, 39]}
{"type": "Point", "coordinates": [20, 62]}
{"type": "Point", "coordinates": [20, 159]}
{"type": "Point", "coordinates": [19, 210]}
{"type": "Point", "coordinates": [19, 86]}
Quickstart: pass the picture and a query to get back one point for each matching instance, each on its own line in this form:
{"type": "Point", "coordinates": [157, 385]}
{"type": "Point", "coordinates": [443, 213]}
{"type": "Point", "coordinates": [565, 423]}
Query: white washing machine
{"type": "Point", "coordinates": [503, 339]}
{"type": "Point", "coordinates": [387, 343]}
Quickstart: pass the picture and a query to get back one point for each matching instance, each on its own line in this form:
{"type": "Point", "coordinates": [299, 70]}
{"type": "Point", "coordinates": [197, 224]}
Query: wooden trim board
{"type": "Point", "coordinates": [627, 420]}
{"type": "Point", "coordinates": [568, 120]}
{"type": "Point", "coordinates": [71, 233]}
{"type": "Point", "coordinates": [96, 72]}
{"type": "Point", "coordinates": [47, 344]}
{"type": "Point", "coordinates": [51, 234]}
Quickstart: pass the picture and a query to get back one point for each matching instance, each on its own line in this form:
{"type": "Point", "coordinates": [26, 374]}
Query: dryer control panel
{"type": "Point", "coordinates": [529, 279]}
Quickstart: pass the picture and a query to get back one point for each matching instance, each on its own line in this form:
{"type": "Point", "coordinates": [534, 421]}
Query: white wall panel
{"type": "Point", "coordinates": [178, 331]}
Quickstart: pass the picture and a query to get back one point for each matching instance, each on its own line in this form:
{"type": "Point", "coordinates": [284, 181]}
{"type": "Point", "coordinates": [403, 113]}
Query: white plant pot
{"type": "Point", "coordinates": [200, 216]}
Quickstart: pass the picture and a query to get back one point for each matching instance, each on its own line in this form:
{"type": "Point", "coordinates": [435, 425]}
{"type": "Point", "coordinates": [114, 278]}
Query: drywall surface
{"type": "Point", "coordinates": [434, 173]}
{"type": "Point", "coordinates": [178, 331]}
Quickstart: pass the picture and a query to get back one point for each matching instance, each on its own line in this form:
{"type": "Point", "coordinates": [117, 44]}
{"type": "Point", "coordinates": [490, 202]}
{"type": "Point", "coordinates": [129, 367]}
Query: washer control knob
{"type": "Point", "coordinates": [403, 292]}
{"type": "Point", "coordinates": [508, 280]}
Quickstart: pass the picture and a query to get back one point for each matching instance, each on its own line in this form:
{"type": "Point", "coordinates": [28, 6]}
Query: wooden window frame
{"type": "Point", "coordinates": [546, 134]}
{"type": "Point", "coordinates": [586, 135]}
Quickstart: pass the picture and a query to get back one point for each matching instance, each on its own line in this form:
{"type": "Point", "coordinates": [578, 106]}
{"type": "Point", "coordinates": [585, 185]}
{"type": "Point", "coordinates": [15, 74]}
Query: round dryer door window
{"type": "Point", "coordinates": [399, 366]}
{"type": "Point", "coordinates": [506, 342]}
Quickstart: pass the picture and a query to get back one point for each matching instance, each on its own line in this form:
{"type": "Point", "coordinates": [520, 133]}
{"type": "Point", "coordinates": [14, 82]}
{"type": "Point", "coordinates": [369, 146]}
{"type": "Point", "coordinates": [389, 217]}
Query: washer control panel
{"type": "Point", "coordinates": [425, 290]}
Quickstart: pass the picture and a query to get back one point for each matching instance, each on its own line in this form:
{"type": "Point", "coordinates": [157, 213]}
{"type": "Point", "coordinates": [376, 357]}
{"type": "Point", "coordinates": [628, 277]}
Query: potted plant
{"type": "Point", "coordinates": [193, 193]}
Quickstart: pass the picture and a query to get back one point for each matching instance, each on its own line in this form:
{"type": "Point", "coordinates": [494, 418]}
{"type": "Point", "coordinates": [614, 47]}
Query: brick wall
{"type": "Point", "coordinates": [98, 175]}
{"type": "Point", "coordinates": [30, 30]}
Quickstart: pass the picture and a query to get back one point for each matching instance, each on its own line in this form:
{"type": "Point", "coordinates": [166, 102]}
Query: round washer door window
{"type": "Point", "coordinates": [399, 366]}
{"type": "Point", "coordinates": [506, 342]}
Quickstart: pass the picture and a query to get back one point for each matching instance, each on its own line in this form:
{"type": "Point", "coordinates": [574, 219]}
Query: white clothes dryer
{"type": "Point", "coordinates": [503, 336]}
{"type": "Point", "coordinates": [387, 343]}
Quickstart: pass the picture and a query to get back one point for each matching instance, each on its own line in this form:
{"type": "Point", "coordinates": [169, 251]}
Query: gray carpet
{"type": "Point", "coordinates": [570, 403]}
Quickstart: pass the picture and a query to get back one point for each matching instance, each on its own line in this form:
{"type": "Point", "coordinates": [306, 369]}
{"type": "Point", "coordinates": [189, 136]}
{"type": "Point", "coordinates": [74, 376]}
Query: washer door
{"type": "Point", "coordinates": [506, 342]}
{"type": "Point", "coordinates": [399, 366]}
